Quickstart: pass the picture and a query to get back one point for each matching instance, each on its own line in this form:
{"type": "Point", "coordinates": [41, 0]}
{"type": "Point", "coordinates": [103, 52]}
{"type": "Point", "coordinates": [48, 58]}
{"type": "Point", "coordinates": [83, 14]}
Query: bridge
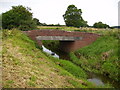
{"type": "Point", "coordinates": [69, 40]}
{"type": "Point", "coordinates": [60, 38]}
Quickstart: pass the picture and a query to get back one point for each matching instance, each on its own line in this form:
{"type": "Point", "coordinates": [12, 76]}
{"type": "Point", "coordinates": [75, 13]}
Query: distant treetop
{"type": "Point", "coordinates": [100, 25]}
{"type": "Point", "coordinates": [72, 17]}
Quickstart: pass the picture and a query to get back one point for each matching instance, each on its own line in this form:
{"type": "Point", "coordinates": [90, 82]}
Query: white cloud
{"type": "Point", "coordinates": [51, 11]}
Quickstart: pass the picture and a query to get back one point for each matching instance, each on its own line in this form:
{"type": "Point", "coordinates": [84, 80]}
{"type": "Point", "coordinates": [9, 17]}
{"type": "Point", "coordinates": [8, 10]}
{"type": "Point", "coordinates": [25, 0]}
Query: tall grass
{"type": "Point", "coordinates": [101, 56]}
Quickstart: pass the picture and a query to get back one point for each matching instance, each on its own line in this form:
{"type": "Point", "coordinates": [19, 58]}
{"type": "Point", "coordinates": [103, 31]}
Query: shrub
{"type": "Point", "coordinates": [18, 17]}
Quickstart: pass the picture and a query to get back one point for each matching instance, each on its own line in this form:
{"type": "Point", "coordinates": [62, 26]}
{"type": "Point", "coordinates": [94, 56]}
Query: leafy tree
{"type": "Point", "coordinates": [18, 17]}
{"type": "Point", "coordinates": [72, 17]}
{"type": "Point", "coordinates": [37, 21]}
{"type": "Point", "coordinates": [100, 25]}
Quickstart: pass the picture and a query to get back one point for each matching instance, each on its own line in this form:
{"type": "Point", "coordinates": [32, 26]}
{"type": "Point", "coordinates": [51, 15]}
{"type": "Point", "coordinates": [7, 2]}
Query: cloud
{"type": "Point", "coordinates": [51, 11]}
{"type": "Point", "coordinates": [119, 13]}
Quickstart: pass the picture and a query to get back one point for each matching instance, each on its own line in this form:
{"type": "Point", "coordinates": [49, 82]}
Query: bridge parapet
{"type": "Point", "coordinates": [60, 38]}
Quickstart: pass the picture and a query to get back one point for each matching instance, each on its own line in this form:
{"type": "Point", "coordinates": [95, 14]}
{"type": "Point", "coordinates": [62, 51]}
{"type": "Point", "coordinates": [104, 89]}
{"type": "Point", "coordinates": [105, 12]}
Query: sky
{"type": "Point", "coordinates": [51, 11]}
{"type": "Point", "coordinates": [119, 13]}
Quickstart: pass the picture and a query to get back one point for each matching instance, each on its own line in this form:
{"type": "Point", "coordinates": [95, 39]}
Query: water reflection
{"type": "Point", "coordinates": [49, 52]}
{"type": "Point", "coordinates": [96, 81]}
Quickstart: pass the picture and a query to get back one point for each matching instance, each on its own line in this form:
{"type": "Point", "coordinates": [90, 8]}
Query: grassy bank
{"type": "Point", "coordinates": [102, 56]}
{"type": "Point", "coordinates": [26, 66]}
{"type": "Point", "coordinates": [82, 29]}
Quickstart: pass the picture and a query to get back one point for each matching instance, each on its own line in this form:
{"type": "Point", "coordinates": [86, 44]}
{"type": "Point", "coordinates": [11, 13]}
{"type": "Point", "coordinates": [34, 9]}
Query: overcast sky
{"type": "Point", "coordinates": [51, 11]}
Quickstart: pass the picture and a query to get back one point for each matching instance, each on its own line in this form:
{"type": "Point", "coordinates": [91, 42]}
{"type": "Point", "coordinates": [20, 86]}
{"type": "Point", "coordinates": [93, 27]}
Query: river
{"type": "Point", "coordinates": [97, 79]}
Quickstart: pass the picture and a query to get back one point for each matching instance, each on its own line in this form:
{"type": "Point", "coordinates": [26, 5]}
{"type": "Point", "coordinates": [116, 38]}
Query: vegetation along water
{"type": "Point", "coordinates": [101, 58]}
{"type": "Point", "coordinates": [25, 65]}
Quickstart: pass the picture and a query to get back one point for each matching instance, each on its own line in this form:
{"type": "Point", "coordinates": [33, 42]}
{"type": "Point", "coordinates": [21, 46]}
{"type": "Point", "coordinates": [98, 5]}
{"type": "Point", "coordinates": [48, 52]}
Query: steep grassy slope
{"type": "Point", "coordinates": [101, 56]}
{"type": "Point", "coordinates": [24, 65]}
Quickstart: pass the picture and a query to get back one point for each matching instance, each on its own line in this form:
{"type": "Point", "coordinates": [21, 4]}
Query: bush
{"type": "Point", "coordinates": [100, 25]}
{"type": "Point", "coordinates": [18, 17]}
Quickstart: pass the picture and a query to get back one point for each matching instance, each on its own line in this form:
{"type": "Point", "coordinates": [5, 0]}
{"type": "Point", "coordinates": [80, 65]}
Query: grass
{"type": "Point", "coordinates": [76, 84]}
{"type": "Point", "coordinates": [101, 56]}
{"type": "Point", "coordinates": [58, 28]}
{"type": "Point", "coordinates": [73, 69]}
{"type": "Point", "coordinates": [70, 67]}
{"type": "Point", "coordinates": [25, 65]}
{"type": "Point", "coordinates": [83, 29]}
{"type": "Point", "coordinates": [9, 83]}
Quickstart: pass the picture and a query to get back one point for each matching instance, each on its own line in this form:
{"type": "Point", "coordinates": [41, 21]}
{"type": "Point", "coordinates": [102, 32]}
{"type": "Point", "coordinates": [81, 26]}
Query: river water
{"type": "Point", "coordinates": [97, 79]}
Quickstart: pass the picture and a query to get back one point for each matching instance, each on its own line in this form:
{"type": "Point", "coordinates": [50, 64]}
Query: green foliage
{"type": "Point", "coordinates": [73, 69]}
{"type": "Point", "coordinates": [10, 33]}
{"type": "Point", "coordinates": [100, 25]}
{"type": "Point", "coordinates": [37, 21]}
{"type": "Point", "coordinates": [53, 45]}
{"type": "Point", "coordinates": [67, 65]}
{"type": "Point", "coordinates": [74, 58]}
{"type": "Point", "coordinates": [8, 83]}
{"type": "Point", "coordinates": [100, 46]}
{"type": "Point", "coordinates": [70, 67]}
{"type": "Point", "coordinates": [18, 17]}
{"type": "Point", "coordinates": [72, 17]}
{"type": "Point", "coordinates": [112, 69]}
{"type": "Point", "coordinates": [33, 63]}
{"type": "Point", "coordinates": [33, 78]}
{"type": "Point", "coordinates": [75, 83]}
{"type": "Point", "coordinates": [31, 84]}
{"type": "Point", "coordinates": [101, 56]}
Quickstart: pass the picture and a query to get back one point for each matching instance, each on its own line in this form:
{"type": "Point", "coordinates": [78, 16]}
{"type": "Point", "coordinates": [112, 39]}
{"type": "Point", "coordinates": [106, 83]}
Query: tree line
{"type": "Point", "coordinates": [21, 17]}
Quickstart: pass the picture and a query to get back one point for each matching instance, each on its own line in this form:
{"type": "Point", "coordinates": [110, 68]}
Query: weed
{"type": "Point", "coordinates": [31, 84]}
{"type": "Point", "coordinates": [33, 78]}
{"type": "Point", "coordinates": [8, 83]}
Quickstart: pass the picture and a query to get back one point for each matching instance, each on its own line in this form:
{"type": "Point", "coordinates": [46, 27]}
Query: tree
{"type": "Point", "coordinates": [72, 17]}
{"type": "Point", "coordinates": [18, 17]}
{"type": "Point", "coordinates": [36, 21]}
{"type": "Point", "coordinates": [100, 25]}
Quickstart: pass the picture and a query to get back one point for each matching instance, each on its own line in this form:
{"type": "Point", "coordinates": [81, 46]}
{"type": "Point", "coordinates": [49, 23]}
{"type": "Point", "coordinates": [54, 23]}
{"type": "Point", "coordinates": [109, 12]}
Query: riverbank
{"type": "Point", "coordinates": [100, 57]}
{"type": "Point", "coordinates": [26, 66]}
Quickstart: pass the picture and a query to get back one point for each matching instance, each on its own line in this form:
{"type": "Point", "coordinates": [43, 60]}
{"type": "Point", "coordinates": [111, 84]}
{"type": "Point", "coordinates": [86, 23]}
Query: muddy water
{"type": "Point", "coordinates": [96, 79]}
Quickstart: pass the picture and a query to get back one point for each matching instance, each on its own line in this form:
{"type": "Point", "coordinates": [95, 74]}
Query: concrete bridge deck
{"type": "Point", "coordinates": [60, 38]}
{"type": "Point", "coordinates": [69, 41]}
